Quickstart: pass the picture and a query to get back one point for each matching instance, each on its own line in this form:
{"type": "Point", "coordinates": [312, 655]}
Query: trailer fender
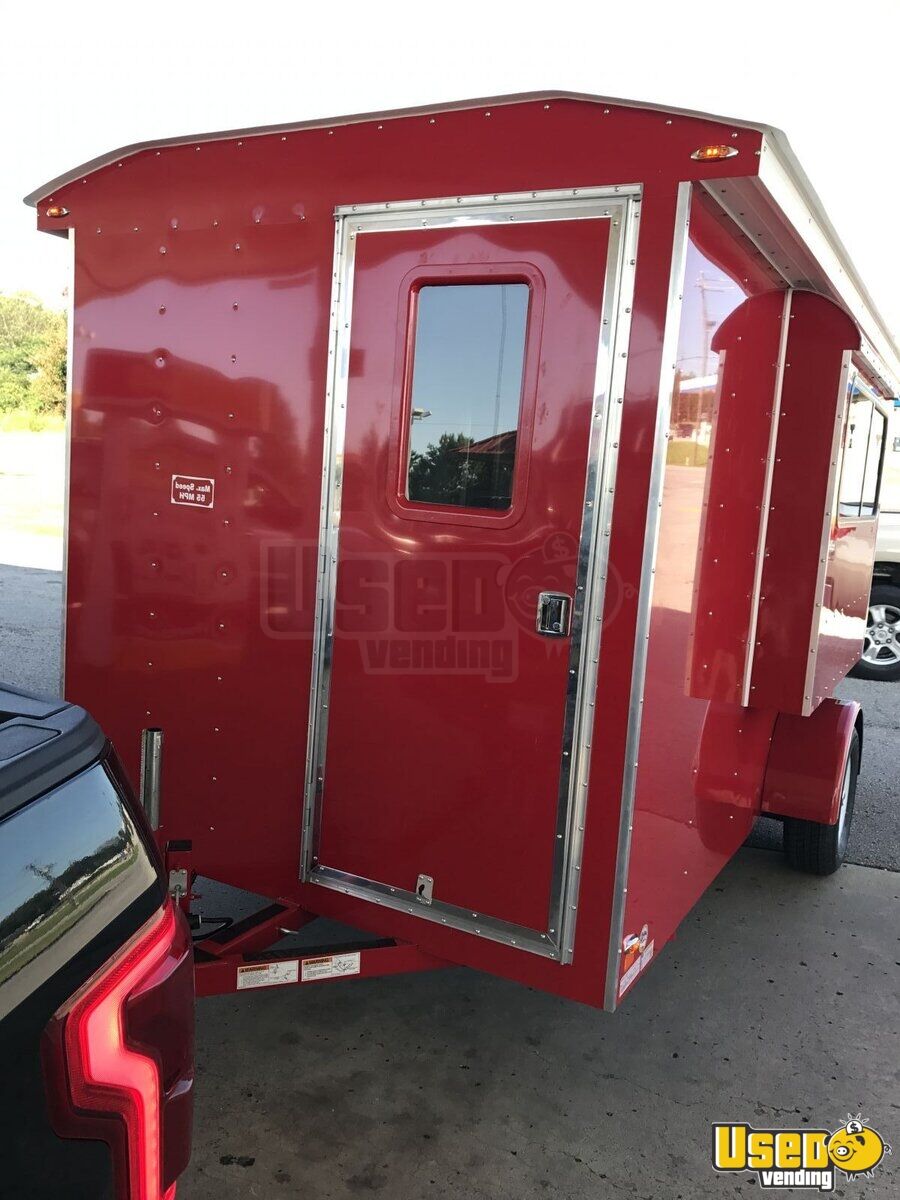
{"type": "Point", "coordinates": [806, 761]}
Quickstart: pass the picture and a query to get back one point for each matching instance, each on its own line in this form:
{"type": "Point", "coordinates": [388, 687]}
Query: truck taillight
{"type": "Point", "coordinates": [119, 1059]}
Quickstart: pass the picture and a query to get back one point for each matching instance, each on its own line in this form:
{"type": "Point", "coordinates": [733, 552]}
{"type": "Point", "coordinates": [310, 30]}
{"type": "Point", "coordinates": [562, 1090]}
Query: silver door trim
{"type": "Point", "coordinates": [438, 911]}
{"type": "Point", "coordinates": [488, 201]}
{"type": "Point", "coordinates": [621, 206]}
{"type": "Point", "coordinates": [591, 577]}
{"type": "Point", "coordinates": [645, 597]}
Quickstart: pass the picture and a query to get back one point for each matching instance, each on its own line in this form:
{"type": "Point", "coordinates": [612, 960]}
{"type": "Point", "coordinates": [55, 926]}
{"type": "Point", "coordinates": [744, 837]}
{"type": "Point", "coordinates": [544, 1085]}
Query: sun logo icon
{"type": "Point", "coordinates": [856, 1148]}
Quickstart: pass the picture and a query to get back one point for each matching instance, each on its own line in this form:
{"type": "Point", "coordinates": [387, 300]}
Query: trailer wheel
{"type": "Point", "coordinates": [820, 849]}
{"type": "Point", "coordinates": [881, 647]}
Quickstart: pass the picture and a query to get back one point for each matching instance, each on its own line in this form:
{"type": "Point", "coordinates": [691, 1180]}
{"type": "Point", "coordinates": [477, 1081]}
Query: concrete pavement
{"type": "Point", "coordinates": [776, 1005]}
{"type": "Point", "coordinates": [30, 627]}
{"type": "Point", "coordinates": [32, 485]}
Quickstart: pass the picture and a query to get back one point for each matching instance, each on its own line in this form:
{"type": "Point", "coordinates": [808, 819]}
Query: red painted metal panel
{"type": "Point", "coordinates": [806, 762]}
{"type": "Point", "coordinates": [799, 615]}
{"type": "Point", "coordinates": [202, 289]}
{"type": "Point", "coordinates": [584, 979]}
{"type": "Point", "coordinates": [446, 706]}
{"type": "Point", "coordinates": [700, 761]}
{"type": "Point", "coordinates": [723, 610]}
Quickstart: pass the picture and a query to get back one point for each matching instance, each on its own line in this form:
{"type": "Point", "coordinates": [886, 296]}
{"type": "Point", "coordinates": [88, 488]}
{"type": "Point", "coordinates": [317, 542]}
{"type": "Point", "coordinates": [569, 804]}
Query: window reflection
{"type": "Point", "coordinates": [874, 459]}
{"type": "Point", "coordinates": [468, 364]}
{"type": "Point", "coordinates": [853, 465]}
{"type": "Point", "coordinates": [709, 297]}
{"type": "Point", "coordinates": [863, 452]}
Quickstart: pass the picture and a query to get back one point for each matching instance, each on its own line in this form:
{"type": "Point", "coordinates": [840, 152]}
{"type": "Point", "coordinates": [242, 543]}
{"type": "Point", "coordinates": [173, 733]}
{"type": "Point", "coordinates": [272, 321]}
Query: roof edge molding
{"type": "Point", "coordinates": [104, 160]}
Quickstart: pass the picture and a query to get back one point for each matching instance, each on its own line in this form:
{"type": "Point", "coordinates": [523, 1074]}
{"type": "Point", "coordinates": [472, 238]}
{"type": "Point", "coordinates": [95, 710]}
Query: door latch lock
{"type": "Point", "coordinates": [554, 614]}
{"type": "Point", "coordinates": [424, 889]}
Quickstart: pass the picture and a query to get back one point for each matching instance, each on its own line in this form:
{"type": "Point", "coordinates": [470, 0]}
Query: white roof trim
{"type": "Point", "coordinates": [786, 182]}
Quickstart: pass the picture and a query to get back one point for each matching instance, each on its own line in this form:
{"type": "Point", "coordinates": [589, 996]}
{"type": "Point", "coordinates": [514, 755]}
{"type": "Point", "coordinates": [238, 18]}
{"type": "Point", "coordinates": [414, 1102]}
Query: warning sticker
{"type": "Point", "coordinates": [330, 966]}
{"type": "Point", "coordinates": [635, 969]}
{"type": "Point", "coordinates": [268, 974]}
{"type": "Point", "coordinates": [192, 490]}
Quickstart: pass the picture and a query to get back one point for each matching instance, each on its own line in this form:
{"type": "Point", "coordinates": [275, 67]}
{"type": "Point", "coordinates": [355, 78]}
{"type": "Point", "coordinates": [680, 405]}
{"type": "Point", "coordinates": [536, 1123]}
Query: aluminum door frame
{"type": "Point", "coordinates": [620, 205]}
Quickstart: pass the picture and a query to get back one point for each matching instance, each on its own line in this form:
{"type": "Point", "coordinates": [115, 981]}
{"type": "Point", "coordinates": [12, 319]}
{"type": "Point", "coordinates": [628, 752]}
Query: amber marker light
{"type": "Point", "coordinates": [56, 210]}
{"type": "Point", "coordinates": [714, 153]}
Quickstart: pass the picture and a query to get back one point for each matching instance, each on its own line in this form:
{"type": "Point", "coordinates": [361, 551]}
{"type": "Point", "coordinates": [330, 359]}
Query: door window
{"type": "Point", "coordinates": [864, 438]}
{"type": "Point", "coordinates": [874, 459]}
{"type": "Point", "coordinates": [465, 393]}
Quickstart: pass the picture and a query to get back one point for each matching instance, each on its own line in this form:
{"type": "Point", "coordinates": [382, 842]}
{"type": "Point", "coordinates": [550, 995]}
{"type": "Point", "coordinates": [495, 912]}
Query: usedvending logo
{"type": "Point", "coordinates": [799, 1158]}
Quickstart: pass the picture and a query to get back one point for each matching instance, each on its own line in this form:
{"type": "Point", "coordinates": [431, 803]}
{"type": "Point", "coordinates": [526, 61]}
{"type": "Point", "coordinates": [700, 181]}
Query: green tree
{"type": "Point", "coordinates": [441, 473]}
{"type": "Point", "coordinates": [32, 356]}
{"type": "Point", "coordinates": [48, 386]}
{"type": "Point", "coordinates": [457, 470]}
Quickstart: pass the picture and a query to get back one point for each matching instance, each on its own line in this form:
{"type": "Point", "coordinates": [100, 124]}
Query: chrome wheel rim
{"type": "Point", "coordinates": [881, 646]}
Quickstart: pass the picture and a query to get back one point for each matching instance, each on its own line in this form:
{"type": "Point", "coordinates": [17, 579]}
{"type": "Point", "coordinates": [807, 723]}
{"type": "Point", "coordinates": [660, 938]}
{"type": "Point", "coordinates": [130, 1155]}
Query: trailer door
{"type": "Point", "coordinates": [469, 463]}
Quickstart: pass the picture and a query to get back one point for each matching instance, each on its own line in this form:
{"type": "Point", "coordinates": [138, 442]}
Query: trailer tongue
{"type": "Point", "coordinates": [481, 500]}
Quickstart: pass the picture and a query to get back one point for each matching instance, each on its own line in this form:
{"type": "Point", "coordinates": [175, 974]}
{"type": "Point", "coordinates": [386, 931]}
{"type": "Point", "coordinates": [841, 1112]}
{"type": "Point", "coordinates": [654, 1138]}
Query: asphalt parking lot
{"type": "Point", "coordinates": [777, 1004]}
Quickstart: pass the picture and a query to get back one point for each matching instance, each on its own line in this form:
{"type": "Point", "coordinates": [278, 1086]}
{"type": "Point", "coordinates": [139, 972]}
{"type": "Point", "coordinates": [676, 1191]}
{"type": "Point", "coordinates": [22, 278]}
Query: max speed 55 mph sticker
{"type": "Point", "coordinates": [193, 490]}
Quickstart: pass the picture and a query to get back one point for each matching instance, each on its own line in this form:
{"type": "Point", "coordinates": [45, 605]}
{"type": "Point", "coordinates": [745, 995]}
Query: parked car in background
{"type": "Point", "coordinates": [881, 648]}
{"type": "Point", "coordinates": [96, 973]}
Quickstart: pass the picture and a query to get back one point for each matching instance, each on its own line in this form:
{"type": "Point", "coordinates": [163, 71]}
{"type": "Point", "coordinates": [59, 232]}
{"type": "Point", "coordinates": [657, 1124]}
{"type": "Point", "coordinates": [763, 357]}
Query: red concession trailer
{"type": "Point", "coordinates": [481, 499]}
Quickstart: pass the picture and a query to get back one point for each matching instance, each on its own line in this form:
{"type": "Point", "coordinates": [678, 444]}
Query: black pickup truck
{"type": "Point", "coordinates": [96, 981]}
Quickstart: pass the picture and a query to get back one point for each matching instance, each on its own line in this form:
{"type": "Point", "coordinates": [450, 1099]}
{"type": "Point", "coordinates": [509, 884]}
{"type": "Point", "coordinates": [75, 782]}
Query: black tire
{"type": "Point", "coordinates": [883, 618]}
{"type": "Point", "coordinates": [820, 849]}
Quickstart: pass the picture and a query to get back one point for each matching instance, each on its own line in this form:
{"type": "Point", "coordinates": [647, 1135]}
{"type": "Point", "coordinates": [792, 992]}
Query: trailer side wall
{"type": "Point", "coordinates": [700, 757]}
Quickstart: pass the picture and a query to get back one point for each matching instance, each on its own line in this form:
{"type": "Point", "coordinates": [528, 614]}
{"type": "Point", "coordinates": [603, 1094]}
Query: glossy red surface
{"type": "Point", "coordinates": [202, 300]}
{"type": "Point", "coordinates": [724, 604]}
{"type": "Point", "coordinates": [446, 706]}
{"type": "Point", "coordinates": [811, 614]}
{"type": "Point", "coordinates": [701, 756]}
{"type": "Point", "coordinates": [806, 762]}
{"type": "Point", "coordinates": [845, 601]}
{"type": "Point", "coordinates": [733, 413]}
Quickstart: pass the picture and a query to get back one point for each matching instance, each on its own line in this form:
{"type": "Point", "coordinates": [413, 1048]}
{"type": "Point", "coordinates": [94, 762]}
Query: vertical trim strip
{"type": "Point", "coordinates": [593, 563]}
{"type": "Point", "coordinates": [812, 658]}
{"type": "Point", "coordinates": [765, 504]}
{"type": "Point", "coordinates": [645, 599]}
{"type": "Point", "coordinates": [329, 524]}
{"type": "Point", "coordinates": [70, 390]}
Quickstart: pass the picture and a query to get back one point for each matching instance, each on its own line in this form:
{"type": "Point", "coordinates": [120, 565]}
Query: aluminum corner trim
{"type": "Point", "coordinates": [645, 597]}
{"type": "Point", "coordinates": [67, 466]}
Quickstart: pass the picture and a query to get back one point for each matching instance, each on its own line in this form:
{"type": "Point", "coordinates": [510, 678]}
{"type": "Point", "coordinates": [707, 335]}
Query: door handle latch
{"type": "Point", "coordinates": [554, 614]}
